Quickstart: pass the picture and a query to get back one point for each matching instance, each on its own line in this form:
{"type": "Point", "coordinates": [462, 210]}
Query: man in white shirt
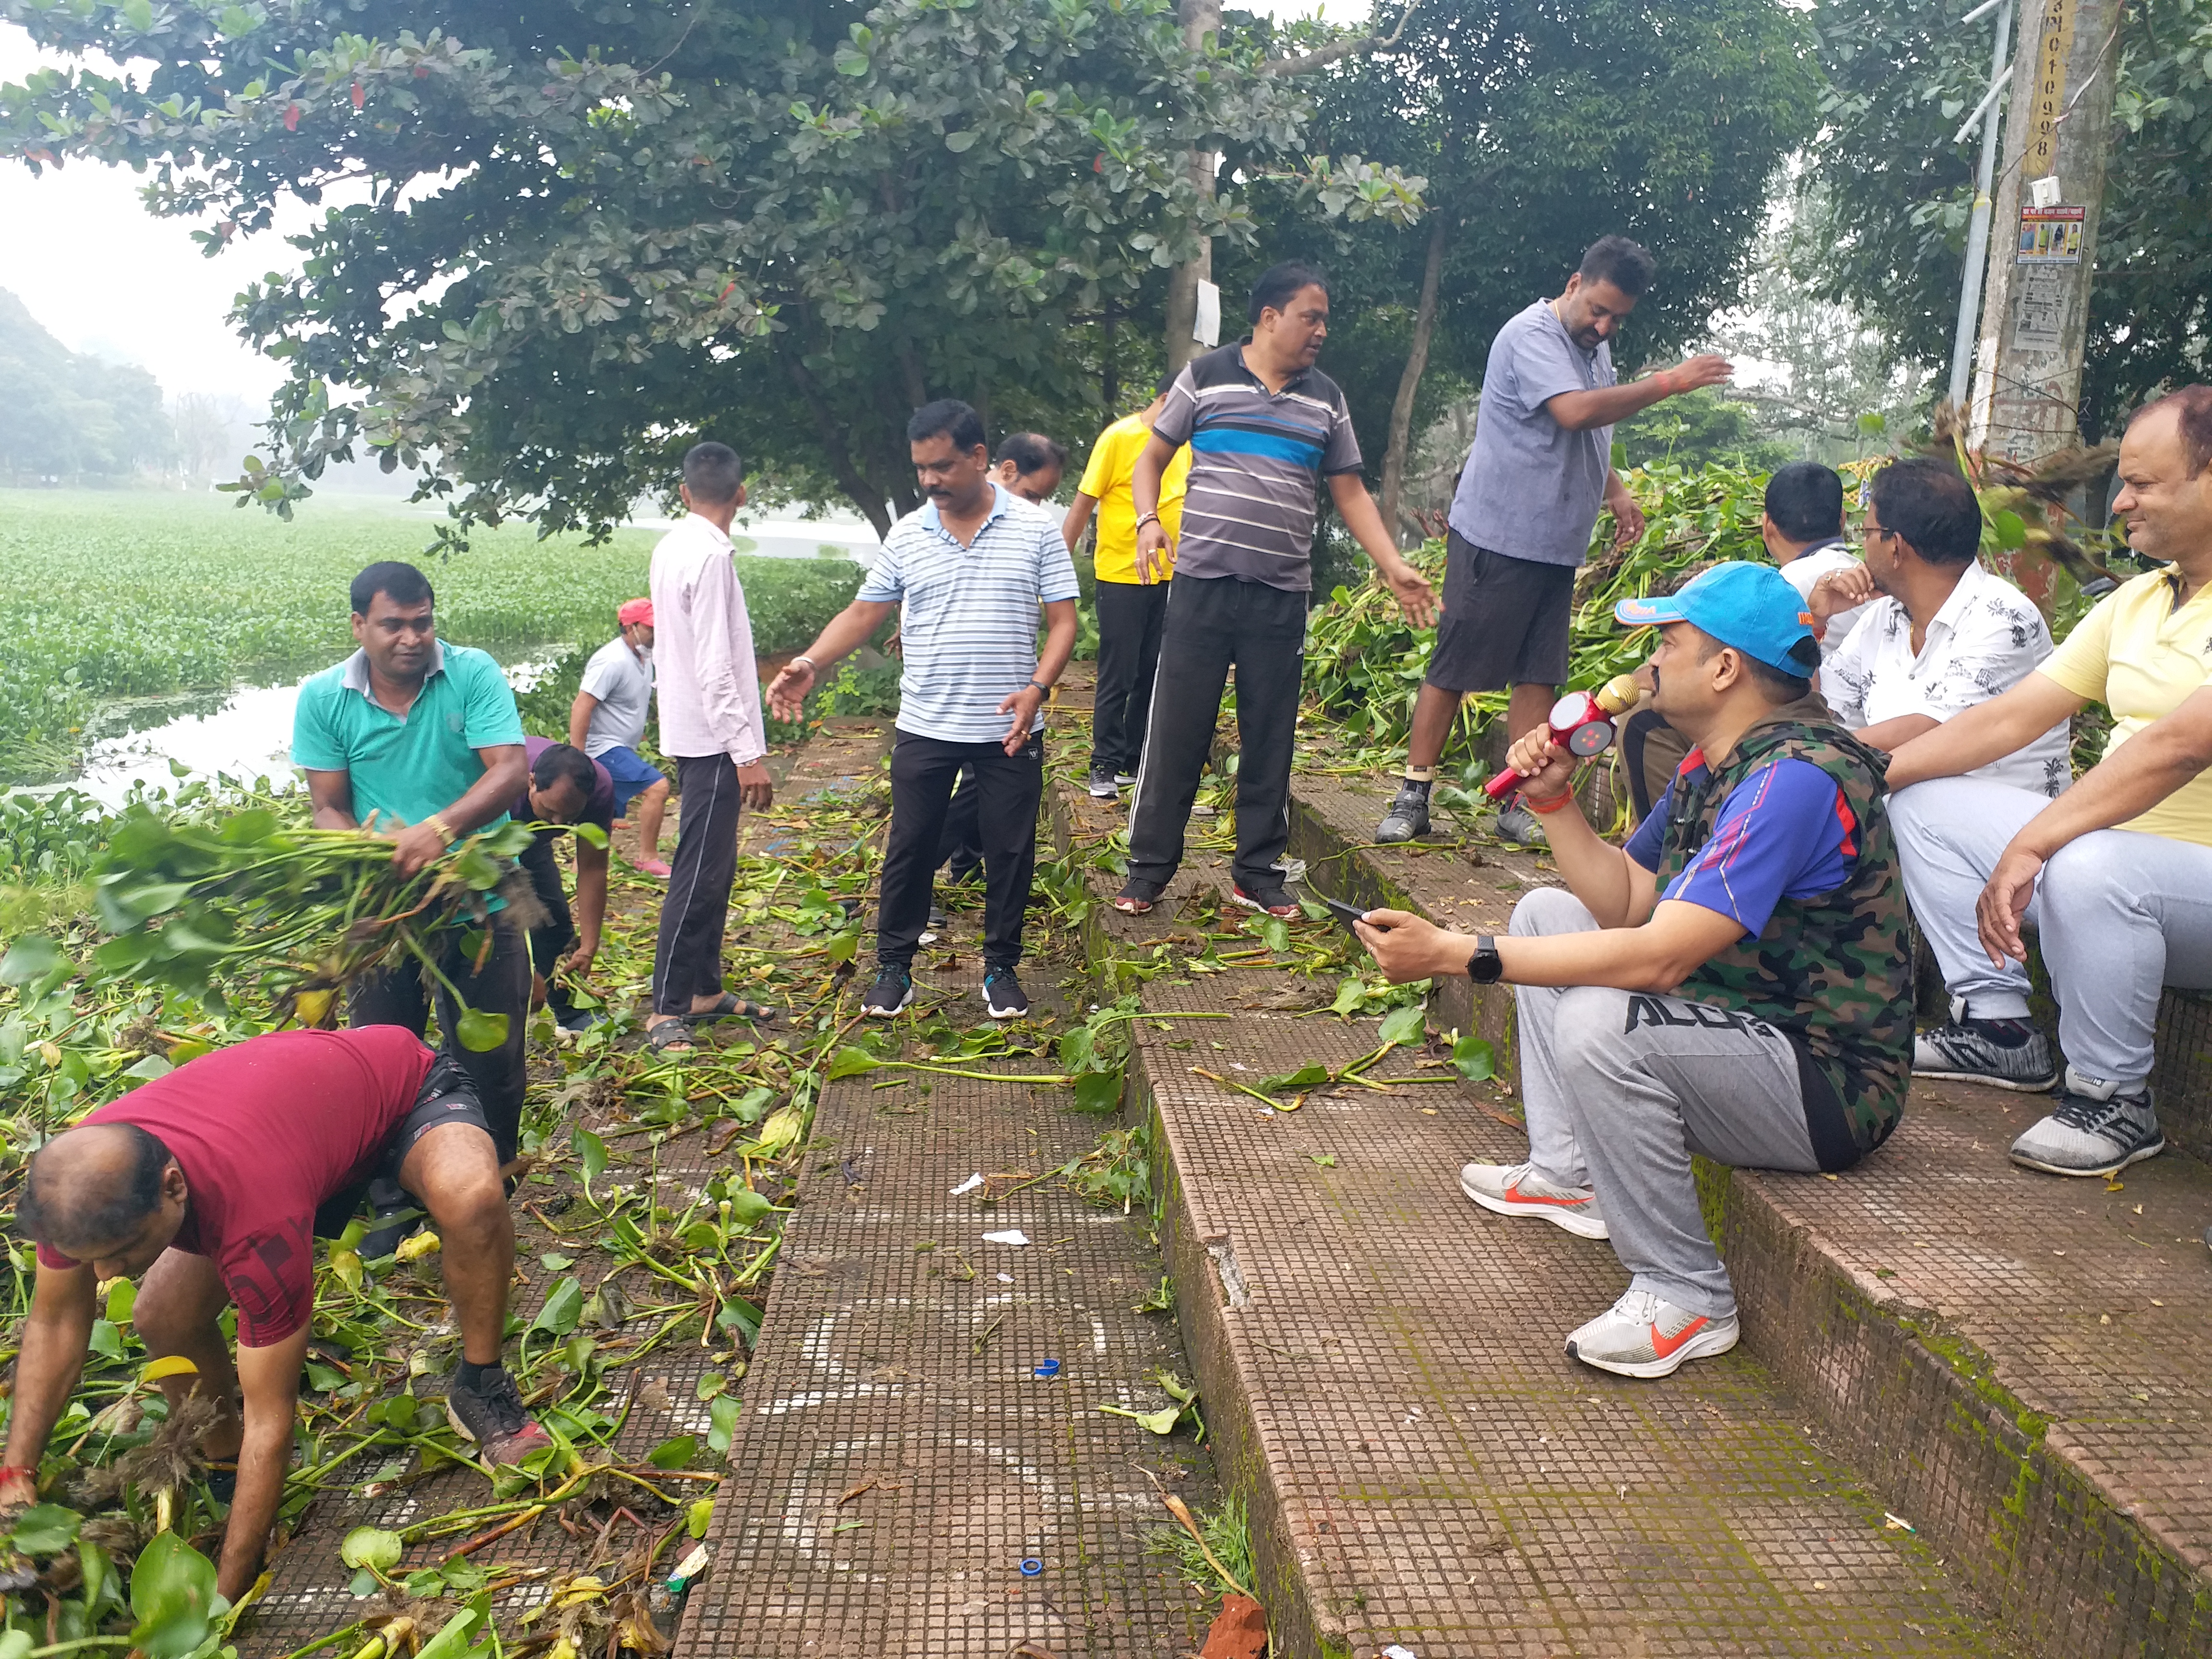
{"type": "Point", "coordinates": [1937, 633]}
{"type": "Point", "coordinates": [971, 567]}
{"type": "Point", "coordinates": [711, 727]}
{"type": "Point", "coordinates": [1803, 530]}
{"type": "Point", "coordinates": [1945, 636]}
{"type": "Point", "coordinates": [607, 722]}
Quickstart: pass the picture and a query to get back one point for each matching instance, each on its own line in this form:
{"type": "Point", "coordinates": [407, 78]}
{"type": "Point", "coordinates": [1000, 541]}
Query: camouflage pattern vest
{"type": "Point", "coordinates": [1835, 973]}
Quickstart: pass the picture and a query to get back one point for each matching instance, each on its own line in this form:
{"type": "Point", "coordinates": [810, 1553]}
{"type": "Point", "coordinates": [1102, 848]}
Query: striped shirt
{"type": "Point", "coordinates": [971, 631]}
{"type": "Point", "coordinates": [1254, 456]}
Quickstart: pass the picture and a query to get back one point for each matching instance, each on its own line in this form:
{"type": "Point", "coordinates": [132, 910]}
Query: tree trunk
{"type": "Point", "coordinates": [857, 486]}
{"type": "Point", "coordinates": [1201, 18]}
{"type": "Point", "coordinates": [1409, 383]}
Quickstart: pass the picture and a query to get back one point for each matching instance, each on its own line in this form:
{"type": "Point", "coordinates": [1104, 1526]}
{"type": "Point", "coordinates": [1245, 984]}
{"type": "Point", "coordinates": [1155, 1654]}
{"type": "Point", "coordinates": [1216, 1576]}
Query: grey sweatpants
{"type": "Point", "coordinates": [1621, 1087]}
{"type": "Point", "coordinates": [2118, 916]}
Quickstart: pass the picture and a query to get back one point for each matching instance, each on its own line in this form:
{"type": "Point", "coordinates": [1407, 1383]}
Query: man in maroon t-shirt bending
{"type": "Point", "coordinates": [213, 1182]}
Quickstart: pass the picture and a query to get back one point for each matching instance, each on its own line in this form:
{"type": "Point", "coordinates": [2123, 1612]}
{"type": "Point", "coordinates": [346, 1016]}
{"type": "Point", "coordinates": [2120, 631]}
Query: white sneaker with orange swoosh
{"type": "Point", "coordinates": [1522, 1189]}
{"type": "Point", "coordinates": [1643, 1335]}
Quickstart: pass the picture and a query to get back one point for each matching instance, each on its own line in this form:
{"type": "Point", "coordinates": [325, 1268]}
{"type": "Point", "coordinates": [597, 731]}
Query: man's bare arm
{"type": "Point", "coordinates": [1678, 939]}
{"type": "Point", "coordinates": [331, 792]}
{"type": "Point", "coordinates": [269, 1380]}
{"type": "Point", "coordinates": [580, 719]}
{"type": "Point", "coordinates": [1578, 411]}
{"type": "Point", "coordinates": [56, 1334]}
{"type": "Point", "coordinates": [1890, 736]}
{"type": "Point", "coordinates": [848, 630]}
{"type": "Point", "coordinates": [1079, 518]}
{"type": "Point", "coordinates": [506, 774]}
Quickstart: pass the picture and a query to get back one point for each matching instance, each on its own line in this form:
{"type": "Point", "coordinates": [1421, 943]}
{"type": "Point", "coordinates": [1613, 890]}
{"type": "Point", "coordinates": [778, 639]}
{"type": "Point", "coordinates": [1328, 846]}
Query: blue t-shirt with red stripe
{"type": "Point", "coordinates": [1784, 832]}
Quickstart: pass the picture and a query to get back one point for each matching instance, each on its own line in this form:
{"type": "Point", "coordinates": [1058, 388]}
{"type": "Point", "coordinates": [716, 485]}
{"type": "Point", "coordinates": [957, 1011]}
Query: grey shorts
{"type": "Point", "coordinates": [1505, 621]}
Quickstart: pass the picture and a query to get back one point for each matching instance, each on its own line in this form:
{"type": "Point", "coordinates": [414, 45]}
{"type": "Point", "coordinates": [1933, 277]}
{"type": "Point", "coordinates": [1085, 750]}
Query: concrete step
{"type": "Point", "coordinates": [2019, 1363]}
{"type": "Point", "coordinates": [1386, 1383]}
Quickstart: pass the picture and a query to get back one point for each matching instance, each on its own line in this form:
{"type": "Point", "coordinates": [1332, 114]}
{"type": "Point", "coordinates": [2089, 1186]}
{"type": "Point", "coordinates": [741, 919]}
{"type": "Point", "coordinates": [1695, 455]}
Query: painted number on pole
{"type": "Point", "coordinates": [2054, 39]}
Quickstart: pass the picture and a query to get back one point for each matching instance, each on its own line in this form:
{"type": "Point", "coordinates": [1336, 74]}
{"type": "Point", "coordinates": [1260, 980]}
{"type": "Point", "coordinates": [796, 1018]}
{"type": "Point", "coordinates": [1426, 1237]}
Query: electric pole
{"type": "Point", "coordinates": [2043, 248]}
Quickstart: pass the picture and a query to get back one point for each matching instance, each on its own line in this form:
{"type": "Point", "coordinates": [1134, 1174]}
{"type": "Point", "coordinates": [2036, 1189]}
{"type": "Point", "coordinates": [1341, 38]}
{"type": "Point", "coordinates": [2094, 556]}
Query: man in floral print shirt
{"type": "Point", "coordinates": [1942, 632]}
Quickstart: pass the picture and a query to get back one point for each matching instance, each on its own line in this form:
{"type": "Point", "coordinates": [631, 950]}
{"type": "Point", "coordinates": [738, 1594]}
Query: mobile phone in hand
{"type": "Point", "coordinates": [1346, 913]}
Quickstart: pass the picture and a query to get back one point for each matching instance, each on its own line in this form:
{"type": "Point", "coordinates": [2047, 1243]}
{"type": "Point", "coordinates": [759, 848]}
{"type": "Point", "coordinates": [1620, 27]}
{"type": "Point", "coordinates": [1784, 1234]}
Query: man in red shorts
{"type": "Point", "coordinates": [213, 1182]}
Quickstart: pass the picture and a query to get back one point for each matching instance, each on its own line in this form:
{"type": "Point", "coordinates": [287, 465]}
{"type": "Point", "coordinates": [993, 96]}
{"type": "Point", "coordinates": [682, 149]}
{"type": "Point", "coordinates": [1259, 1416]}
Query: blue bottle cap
{"type": "Point", "coordinates": [1031, 1566]}
{"type": "Point", "coordinates": [1046, 1368]}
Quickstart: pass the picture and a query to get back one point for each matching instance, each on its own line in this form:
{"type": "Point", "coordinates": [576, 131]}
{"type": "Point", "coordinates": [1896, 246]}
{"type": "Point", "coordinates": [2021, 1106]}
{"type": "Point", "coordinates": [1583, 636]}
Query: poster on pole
{"type": "Point", "coordinates": [2051, 235]}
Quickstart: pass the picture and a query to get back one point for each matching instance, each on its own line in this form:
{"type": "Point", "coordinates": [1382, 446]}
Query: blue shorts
{"type": "Point", "coordinates": [632, 776]}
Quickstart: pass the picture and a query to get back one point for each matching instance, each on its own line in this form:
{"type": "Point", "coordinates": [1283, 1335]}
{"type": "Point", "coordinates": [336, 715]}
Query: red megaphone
{"type": "Point", "coordinates": [1582, 724]}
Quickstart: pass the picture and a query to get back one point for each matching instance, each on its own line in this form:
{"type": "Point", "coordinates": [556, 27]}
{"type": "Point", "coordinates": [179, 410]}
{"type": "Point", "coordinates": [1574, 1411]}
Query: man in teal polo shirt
{"type": "Point", "coordinates": [421, 741]}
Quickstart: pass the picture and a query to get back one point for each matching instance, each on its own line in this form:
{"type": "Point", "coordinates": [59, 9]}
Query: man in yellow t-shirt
{"type": "Point", "coordinates": [1131, 604]}
{"type": "Point", "coordinates": [2115, 874]}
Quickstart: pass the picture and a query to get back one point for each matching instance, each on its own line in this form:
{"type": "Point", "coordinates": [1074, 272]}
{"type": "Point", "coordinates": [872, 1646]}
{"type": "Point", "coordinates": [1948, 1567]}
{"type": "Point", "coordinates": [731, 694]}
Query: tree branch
{"type": "Point", "coordinates": [1361, 46]}
{"type": "Point", "coordinates": [865, 494]}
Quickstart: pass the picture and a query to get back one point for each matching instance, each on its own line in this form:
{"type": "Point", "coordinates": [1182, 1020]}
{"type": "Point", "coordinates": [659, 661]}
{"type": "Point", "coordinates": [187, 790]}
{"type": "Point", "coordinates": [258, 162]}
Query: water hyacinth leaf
{"type": "Point", "coordinates": [249, 828]}
{"type": "Point", "coordinates": [122, 1298]}
{"type": "Point", "coordinates": [751, 1104]}
{"type": "Point", "coordinates": [674, 1454]}
{"type": "Point", "coordinates": [553, 1261]}
{"type": "Point", "coordinates": [372, 1548]}
{"type": "Point", "coordinates": [452, 1640]}
{"type": "Point", "coordinates": [149, 1067]}
{"type": "Point", "coordinates": [781, 1130]}
{"type": "Point", "coordinates": [46, 1529]}
{"type": "Point", "coordinates": [15, 1643]}
{"type": "Point", "coordinates": [1098, 1092]}
{"type": "Point", "coordinates": [843, 947]}
{"type": "Point", "coordinates": [851, 1062]}
{"type": "Point", "coordinates": [363, 1584]}
{"type": "Point", "coordinates": [699, 1516]}
{"type": "Point", "coordinates": [747, 1206]}
{"type": "Point", "coordinates": [106, 1340]}
{"type": "Point", "coordinates": [564, 1307]}
{"type": "Point", "coordinates": [1311, 1075]}
{"type": "Point", "coordinates": [480, 1032]}
{"type": "Point", "coordinates": [1406, 1025]}
{"type": "Point", "coordinates": [1474, 1059]}
{"type": "Point", "coordinates": [592, 1153]}
{"type": "Point", "coordinates": [1349, 995]}
{"type": "Point", "coordinates": [591, 835]}
{"type": "Point", "coordinates": [722, 1423]}
{"type": "Point", "coordinates": [1275, 932]}
{"type": "Point", "coordinates": [173, 1365]}
{"type": "Point", "coordinates": [173, 1598]}
{"type": "Point", "coordinates": [1161, 1422]}
{"type": "Point", "coordinates": [30, 957]}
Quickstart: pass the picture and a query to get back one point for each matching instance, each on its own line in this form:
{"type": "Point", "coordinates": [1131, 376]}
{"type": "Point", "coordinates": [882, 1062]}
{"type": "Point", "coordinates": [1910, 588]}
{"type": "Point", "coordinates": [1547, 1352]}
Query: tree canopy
{"type": "Point", "coordinates": [573, 238]}
{"type": "Point", "coordinates": [70, 417]}
{"type": "Point", "coordinates": [1893, 189]}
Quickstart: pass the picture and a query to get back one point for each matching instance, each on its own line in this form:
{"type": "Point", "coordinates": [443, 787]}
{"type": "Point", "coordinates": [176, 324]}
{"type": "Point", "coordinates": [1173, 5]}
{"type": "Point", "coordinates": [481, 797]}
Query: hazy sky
{"type": "Point", "coordinates": [104, 274]}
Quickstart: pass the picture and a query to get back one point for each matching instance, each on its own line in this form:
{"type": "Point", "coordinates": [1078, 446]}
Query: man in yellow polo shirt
{"type": "Point", "coordinates": [2116, 876]}
{"type": "Point", "coordinates": [1131, 604]}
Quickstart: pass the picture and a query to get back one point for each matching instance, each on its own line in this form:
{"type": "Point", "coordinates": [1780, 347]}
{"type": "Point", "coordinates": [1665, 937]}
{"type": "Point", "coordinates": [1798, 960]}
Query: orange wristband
{"type": "Point", "coordinates": [1564, 799]}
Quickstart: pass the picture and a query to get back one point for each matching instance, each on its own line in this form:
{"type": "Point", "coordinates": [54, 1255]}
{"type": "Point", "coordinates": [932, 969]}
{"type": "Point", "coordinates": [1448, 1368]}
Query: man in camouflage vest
{"type": "Point", "coordinates": [1735, 982]}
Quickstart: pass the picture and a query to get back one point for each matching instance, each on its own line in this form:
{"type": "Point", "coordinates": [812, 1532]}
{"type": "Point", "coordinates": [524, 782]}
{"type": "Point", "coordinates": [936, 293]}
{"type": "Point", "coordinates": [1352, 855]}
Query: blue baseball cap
{"type": "Point", "coordinates": [1751, 607]}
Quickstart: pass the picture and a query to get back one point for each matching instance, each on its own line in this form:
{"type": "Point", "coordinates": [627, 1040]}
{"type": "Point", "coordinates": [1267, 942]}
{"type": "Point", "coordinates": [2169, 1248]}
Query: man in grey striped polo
{"type": "Point", "coordinates": [972, 565]}
{"type": "Point", "coordinates": [1263, 425]}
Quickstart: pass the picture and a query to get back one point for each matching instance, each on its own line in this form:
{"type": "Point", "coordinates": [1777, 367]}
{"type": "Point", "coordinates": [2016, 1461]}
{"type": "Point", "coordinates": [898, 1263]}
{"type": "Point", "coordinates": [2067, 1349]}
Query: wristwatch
{"type": "Point", "coordinates": [1486, 966]}
{"type": "Point", "coordinates": [1045, 690]}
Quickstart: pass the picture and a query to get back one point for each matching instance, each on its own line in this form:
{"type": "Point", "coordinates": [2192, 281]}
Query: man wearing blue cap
{"type": "Point", "coordinates": [1735, 982]}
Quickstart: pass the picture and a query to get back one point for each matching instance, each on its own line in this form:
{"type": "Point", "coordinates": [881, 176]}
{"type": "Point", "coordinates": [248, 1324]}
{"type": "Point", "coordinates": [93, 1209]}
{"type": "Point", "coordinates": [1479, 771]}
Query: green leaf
{"type": "Point", "coordinates": [452, 1637]}
{"type": "Point", "coordinates": [564, 1307]}
{"type": "Point", "coordinates": [590, 833]}
{"type": "Point", "coordinates": [674, 1454]}
{"type": "Point", "coordinates": [722, 1422]}
{"type": "Point", "coordinates": [480, 1032]}
{"type": "Point", "coordinates": [149, 1067]}
{"type": "Point", "coordinates": [30, 958]}
{"type": "Point", "coordinates": [46, 1529]}
{"type": "Point", "coordinates": [748, 1206]}
{"type": "Point", "coordinates": [843, 947]}
{"type": "Point", "coordinates": [372, 1548]}
{"type": "Point", "coordinates": [1407, 1024]}
{"type": "Point", "coordinates": [960, 142]}
{"type": "Point", "coordinates": [15, 1643]}
{"type": "Point", "coordinates": [849, 61]}
{"type": "Point", "coordinates": [591, 1153]}
{"type": "Point", "coordinates": [699, 1516]}
{"type": "Point", "coordinates": [1474, 1059]}
{"type": "Point", "coordinates": [553, 1261]}
{"type": "Point", "coordinates": [1311, 1075]}
{"type": "Point", "coordinates": [1349, 995]}
{"type": "Point", "coordinates": [122, 1298]}
{"type": "Point", "coordinates": [851, 1062]}
{"type": "Point", "coordinates": [1161, 1422]}
{"type": "Point", "coordinates": [1098, 1092]}
{"type": "Point", "coordinates": [2011, 530]}
{"type": "Point", "coordinates": [1275, 932]}
{"type": "Point", "coordinates": [173, 1597]}
{"type": "Point", "coordinates": [250, 828]}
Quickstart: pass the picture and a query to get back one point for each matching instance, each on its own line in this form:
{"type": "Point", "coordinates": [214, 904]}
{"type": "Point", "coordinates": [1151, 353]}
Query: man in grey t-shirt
{"type": "Point", "coordinates": [1541, 469]}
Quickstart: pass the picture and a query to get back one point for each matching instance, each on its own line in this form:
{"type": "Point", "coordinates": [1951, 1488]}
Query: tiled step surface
{"type": "Point", "coordinates": [1384, 1376]}
{"type": "Point", "coordinates": [2017, 1364]}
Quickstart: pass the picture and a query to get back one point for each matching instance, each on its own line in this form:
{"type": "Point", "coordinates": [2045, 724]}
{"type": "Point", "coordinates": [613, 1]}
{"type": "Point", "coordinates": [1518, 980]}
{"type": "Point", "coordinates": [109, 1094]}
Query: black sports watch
{"type": "Point", "coordinates": [1486, 966]}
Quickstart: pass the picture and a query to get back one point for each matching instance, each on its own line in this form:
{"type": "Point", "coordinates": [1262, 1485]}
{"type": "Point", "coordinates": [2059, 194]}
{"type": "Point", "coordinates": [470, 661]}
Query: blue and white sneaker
{"type": "Point", "coordinates": [891, 993]}
{"type": "Point", "coordinates": [1003, 995]}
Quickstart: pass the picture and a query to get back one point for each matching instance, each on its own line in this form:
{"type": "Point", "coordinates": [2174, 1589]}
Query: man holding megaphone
{"type": "Point", "coordinates": [1735, 981]}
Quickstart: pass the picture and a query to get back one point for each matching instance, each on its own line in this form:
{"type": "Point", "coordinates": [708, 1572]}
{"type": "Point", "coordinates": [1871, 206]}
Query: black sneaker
{"type": "Point", "coordinates": [2004, 1053]}
{"type": "Point", "coordinates": [1137, 895]}
{"type": "Point", "coordinates": [576, 1022]}
{"type": "Point", "coordinates": [891, 993]}
{"type": "Point", "coordinates": [2095, 1130]}
{"type": "Point", "coordinates": [937, 922]}
{"type": "Point", "coordinates": [1102, 787]}
{"type": "Point", "coordinates": [492, 1415]}
{"type": "Point", "coordinates": [1268, 901]}
{"type": "Point", "coordinates": [388, 1230]}
{"type": "Point", "coordinates": [1408, 816]}
{"type": "Point", "coordinates": [1003, 995]}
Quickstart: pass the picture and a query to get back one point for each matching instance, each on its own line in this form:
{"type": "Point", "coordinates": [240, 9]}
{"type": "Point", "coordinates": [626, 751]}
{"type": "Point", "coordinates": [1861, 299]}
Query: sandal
{"type": "Point", "coordinates": [733, 1008]}
{"type": "Point", "coordinates": [670, 1037]}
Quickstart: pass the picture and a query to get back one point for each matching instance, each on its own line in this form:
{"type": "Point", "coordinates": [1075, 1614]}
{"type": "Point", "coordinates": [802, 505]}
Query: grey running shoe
{"type": "Point", "coordinates": [2095, 1131]}
{"type": "Point", "coordinates": [2004, 1053]}
{"type": "Point", "coordinates": [493, 1415]}
{"type": "Point", "coordinates": [1408, 816]}
{"type": "Point", "coordinates": [1102, 787]}
{"type": "Point", "coordinates": [1519, 825]}
{"type": "Point", "coordinates": [1123, 780]}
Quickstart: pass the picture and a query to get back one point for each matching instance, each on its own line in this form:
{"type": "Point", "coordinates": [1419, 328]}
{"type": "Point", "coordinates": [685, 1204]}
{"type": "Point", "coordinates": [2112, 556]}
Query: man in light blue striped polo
{"type": "Point", "coordinates": [972, 566]}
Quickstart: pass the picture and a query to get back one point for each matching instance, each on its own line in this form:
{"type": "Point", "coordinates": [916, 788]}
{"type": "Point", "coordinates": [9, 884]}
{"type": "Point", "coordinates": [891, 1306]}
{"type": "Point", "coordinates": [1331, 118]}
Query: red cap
{"type": "Point", "coordinates": [636, 610]}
